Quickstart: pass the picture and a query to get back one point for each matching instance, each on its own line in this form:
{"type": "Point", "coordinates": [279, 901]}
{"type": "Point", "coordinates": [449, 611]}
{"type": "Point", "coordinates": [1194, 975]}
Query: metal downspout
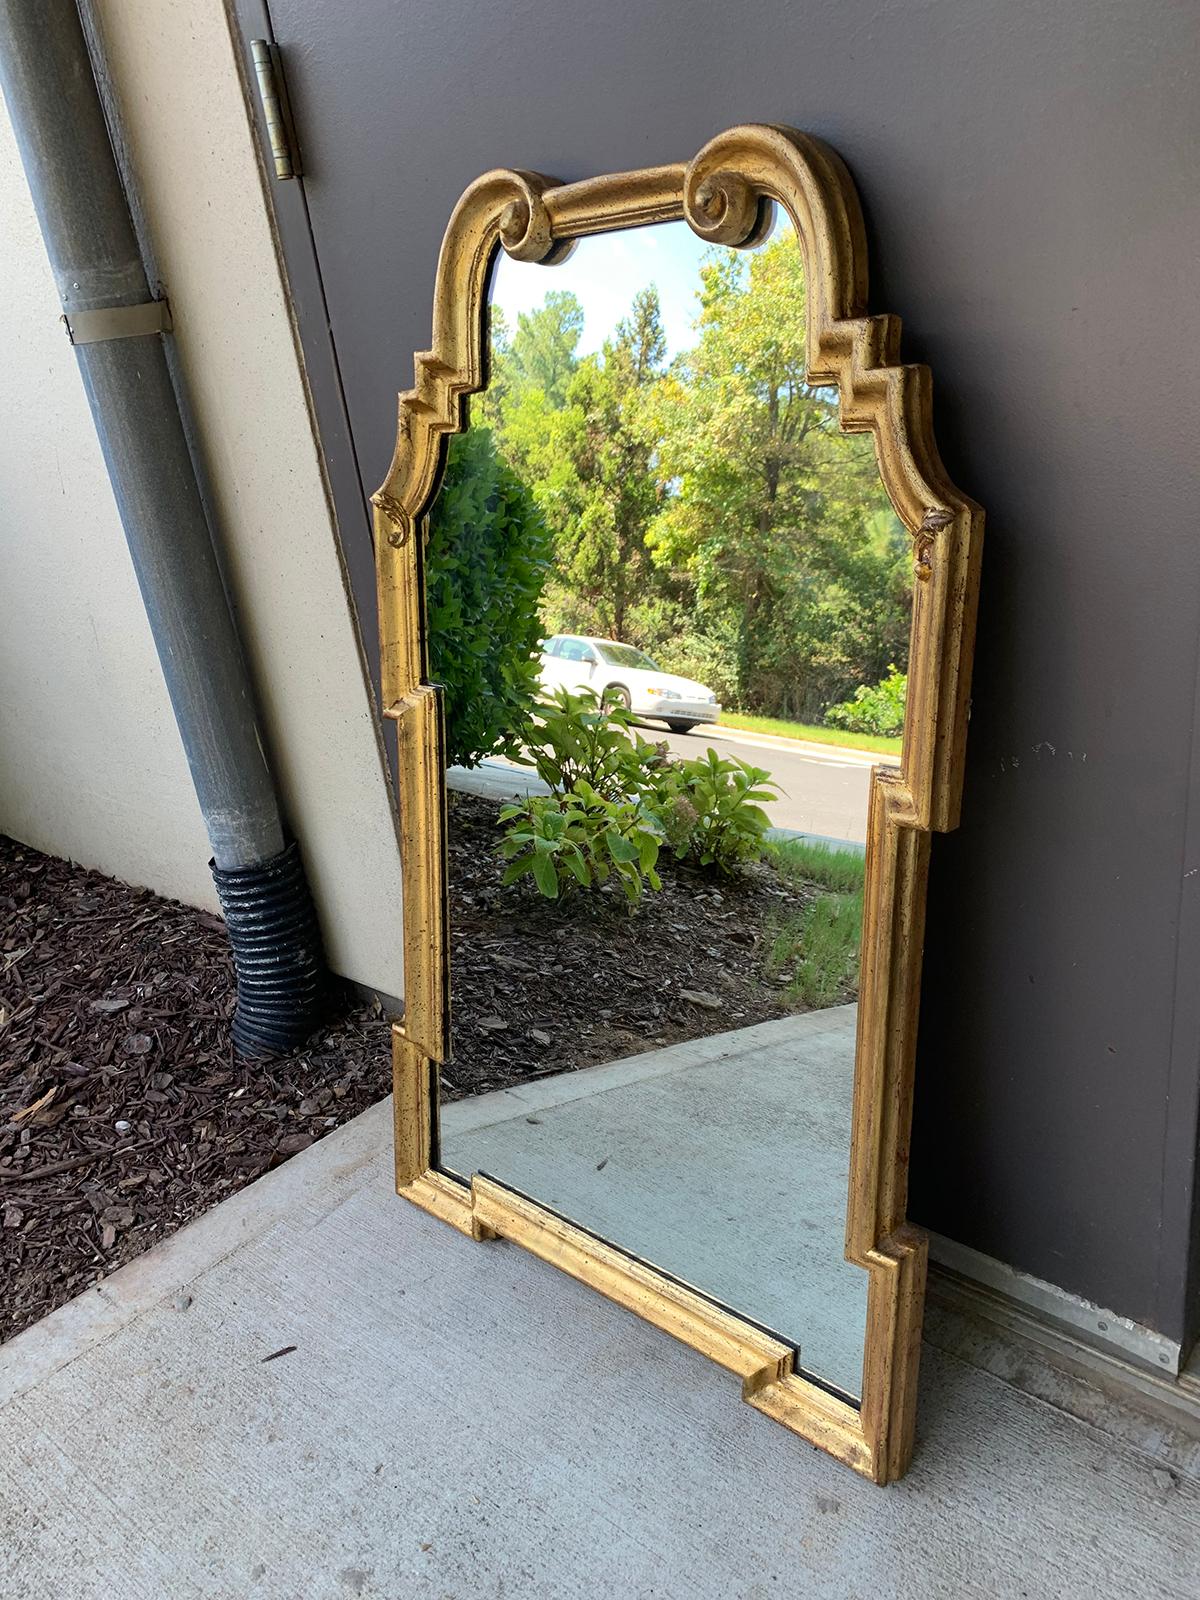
{"type": "Point", "coordinates": [118, 332]}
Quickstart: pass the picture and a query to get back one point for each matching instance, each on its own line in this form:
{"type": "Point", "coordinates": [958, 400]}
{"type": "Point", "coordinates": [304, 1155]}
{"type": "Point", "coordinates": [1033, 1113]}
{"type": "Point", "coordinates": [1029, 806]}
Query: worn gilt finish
{"type": "Point", "coordinates": [723, 195]}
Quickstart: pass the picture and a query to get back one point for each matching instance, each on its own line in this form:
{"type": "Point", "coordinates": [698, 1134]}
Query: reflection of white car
{"type": "Point", "coordinates": [624, 676]}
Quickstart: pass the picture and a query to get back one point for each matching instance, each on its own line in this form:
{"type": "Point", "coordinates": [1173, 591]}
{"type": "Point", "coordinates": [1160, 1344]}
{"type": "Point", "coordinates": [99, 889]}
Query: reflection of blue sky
{"type": "Point", "coordinates": [605, 272]}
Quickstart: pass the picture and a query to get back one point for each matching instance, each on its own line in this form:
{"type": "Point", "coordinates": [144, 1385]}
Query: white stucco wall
{"type": "Point", "coordinates": [90, 760]}
{"type": "Point", "coordinates": [91, 766]}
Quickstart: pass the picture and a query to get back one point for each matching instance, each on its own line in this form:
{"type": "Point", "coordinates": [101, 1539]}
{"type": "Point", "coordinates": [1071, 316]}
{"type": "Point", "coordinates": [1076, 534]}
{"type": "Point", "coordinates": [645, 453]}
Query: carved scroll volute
{"type": "Point", "coordinates": [735, 173]}
{"type": "Point", "coordinates": [724, 207]}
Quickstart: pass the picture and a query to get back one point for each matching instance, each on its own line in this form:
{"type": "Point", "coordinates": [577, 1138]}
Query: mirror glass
{"type": "Point", "coordinates": [669, 601]}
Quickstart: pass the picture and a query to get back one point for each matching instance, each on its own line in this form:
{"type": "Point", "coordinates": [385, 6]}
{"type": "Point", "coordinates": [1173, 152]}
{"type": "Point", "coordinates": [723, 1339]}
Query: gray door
{"type": "Point", "coordinates": [1029, 179]}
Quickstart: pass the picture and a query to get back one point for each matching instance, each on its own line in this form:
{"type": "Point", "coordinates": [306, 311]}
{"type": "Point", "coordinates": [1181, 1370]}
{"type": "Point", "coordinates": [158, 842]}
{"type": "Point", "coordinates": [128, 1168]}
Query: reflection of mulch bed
{"type": "Point", "coordinates": [541, 986]}
{"type": "Point", "coordinates": [123, 1113]}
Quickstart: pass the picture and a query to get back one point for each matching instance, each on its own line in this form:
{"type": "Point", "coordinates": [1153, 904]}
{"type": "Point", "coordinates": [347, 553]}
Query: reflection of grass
{"type": "Point", "coordinates": [801, 861]}
{"type": "Point", "coordinates": [818, 945]}
{"type": "Point", "coordinates": [811, 731]}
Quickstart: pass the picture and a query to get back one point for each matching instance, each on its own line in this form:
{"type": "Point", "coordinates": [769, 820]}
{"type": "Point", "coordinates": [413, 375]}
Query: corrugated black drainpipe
{"type": "Point", "coordinates": [118, 331]}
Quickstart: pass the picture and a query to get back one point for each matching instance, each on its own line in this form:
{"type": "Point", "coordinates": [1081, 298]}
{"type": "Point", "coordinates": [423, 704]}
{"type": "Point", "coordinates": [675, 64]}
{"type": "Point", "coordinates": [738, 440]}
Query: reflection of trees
{"type": "Point", "coordinates": [712, 513]}
{"type": "Point", "coordinates": [587, 459]}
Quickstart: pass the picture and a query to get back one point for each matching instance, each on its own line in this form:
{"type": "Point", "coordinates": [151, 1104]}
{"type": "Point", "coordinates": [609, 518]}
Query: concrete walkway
{"type": "Point", "coordinates": [459, 1421]}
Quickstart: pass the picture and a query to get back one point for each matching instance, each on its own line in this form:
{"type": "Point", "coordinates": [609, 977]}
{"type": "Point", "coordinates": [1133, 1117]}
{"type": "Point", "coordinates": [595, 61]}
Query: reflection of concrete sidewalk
{"type": "Point", "coordinates": [500, 780]}
{"type": "Point", "coordinates": [678, 1156]}
{"type": "Point", "coordinates": [495, 779]}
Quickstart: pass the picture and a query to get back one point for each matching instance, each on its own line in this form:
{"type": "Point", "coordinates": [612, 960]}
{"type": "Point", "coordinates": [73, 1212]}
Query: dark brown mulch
{"type": "Point", "coordinates": [541, 986]}
{"type": "Point", "coordinates": [123, 1112]}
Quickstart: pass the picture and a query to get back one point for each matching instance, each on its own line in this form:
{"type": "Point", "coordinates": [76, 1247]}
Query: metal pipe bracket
{"type": "Point", "coordinates": [118, 322]}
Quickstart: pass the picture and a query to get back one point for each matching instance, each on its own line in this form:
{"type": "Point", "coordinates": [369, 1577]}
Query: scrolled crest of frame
{"type": "Point", "coordinates": [725, 195]}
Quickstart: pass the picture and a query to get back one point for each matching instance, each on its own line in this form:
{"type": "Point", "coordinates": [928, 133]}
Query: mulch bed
{"type": "Point", "coordinates": [123, 1110]}
{"type": "Point", "coordinates": [125, 1114]}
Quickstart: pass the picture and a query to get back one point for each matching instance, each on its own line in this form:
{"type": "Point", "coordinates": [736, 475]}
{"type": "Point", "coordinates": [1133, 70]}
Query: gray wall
{"type": "Point", "coordinates": [1028, 172]}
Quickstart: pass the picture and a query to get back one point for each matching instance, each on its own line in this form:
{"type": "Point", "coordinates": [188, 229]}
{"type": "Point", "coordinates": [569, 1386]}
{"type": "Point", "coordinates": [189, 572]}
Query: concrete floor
{"type": "Point", "coordinates": [723, 1161]}
{"type": "Point", "coordinates": [460, 1421]}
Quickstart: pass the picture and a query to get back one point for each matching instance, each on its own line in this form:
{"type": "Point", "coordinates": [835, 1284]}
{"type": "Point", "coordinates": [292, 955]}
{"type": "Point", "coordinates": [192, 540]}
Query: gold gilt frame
{"type": "Point", "coordinates": [722, 194]}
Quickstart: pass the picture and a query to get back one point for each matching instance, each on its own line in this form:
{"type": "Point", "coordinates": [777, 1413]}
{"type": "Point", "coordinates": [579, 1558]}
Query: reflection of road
{"type": "Point", "coordinates": [824, 787]}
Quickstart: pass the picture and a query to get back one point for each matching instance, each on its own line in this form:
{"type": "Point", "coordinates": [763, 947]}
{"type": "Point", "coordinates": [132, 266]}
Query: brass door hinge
{"type": "Point", "coordinates": [277, 108]}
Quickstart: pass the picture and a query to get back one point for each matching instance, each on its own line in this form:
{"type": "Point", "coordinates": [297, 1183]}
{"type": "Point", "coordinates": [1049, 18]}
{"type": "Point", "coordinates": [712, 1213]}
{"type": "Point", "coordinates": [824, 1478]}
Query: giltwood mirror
{"type": "Point", "coordinates": [696, 476]}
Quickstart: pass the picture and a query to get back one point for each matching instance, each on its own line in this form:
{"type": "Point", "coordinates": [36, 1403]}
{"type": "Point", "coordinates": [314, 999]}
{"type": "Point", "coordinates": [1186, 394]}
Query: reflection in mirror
{"type": "Point", "coordinates": [669, 601]}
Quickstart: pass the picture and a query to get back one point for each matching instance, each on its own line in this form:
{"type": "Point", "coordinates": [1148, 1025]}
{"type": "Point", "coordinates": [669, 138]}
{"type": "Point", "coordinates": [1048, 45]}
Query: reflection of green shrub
{"type": "Point", "coordinates": [615, 800]}
{"type": "Point", "coordinates": [485, 564]}
{"type": "Point", "coordinates": [720, 802]}
{"type": "Point", "coordinates": [593, 825]}
{"type": "Point", "coordinates": [580, 838]}
{"type": "Point", "coordinates": [876, 708]}
{"type": "Point", "coordinates": [574, 738]}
